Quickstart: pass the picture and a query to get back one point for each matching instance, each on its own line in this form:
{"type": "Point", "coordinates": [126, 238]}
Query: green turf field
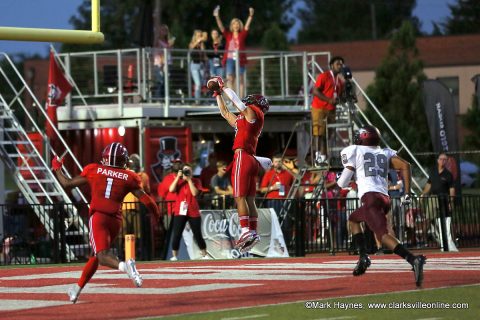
{"type": "Point", "coordinates": [468, 297]}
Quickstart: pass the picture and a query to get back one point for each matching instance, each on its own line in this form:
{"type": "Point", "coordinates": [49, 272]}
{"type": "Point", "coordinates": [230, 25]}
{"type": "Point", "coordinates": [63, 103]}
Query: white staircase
{"type": "Point", "coordinates": [30, 168]}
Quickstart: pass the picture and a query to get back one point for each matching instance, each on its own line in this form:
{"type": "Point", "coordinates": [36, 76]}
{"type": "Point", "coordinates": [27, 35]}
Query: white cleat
{"type": "Point", "coordinates": [244, 238]}
{"type": "Point", "coordinates": [73, 293]}
{"type": "Point", "coordinates": [250, 244]}
{"type": "Point", "coordinates": [132, 272]}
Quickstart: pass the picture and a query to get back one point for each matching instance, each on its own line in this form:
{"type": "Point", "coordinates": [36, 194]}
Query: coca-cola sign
{"type": "Point", "coordinates": [215, 224]}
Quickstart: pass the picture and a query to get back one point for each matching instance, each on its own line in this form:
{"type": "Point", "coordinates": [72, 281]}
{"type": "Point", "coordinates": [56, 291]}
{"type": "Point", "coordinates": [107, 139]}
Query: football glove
{"type": "Point", "coordinates": [57, 163]}
{"type": "Point", "coordinates": [405, 200]}
{"type": "Point", "coordinates": [217, 91]}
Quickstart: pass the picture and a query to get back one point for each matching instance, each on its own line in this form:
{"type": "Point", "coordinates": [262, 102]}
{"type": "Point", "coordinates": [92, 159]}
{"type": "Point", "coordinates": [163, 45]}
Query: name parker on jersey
{"type": "Point", "coordinates": [113, 174]}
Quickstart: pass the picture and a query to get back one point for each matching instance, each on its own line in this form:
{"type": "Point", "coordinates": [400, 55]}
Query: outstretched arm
{"type": "Point", "coordinates": [248, 113]}
{"type": "Point", "coordinates": [216, 14]}
{"type": "Point", "coordinates": [251, 11]}
{"type": "Point", "coordinates": [402, 165]}
{"type": "Point", "coordinates": [77, 181]}
{"type": "Point", "coordinates": [226, 114]}
{"type": "Point", "coordinates": [147, 201]}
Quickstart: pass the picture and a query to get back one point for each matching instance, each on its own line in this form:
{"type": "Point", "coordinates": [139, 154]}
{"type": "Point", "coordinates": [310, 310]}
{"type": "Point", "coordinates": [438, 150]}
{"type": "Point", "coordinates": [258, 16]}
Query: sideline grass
{"type": "Point", "coordinates": [469, 296]}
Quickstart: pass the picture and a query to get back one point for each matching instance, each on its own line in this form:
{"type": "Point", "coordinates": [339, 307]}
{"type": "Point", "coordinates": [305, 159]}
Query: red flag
{"type": "Point", "coordinates": [58, 88]}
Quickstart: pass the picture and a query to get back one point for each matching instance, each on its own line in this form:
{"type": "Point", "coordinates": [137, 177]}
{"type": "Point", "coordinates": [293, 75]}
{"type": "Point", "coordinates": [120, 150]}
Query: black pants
{"type": "Point", "coordinates": [178, 226]}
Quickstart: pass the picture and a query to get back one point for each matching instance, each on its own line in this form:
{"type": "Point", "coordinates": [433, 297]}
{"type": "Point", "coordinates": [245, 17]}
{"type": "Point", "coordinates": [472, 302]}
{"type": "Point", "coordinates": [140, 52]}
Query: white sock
{"type": "Point", "coordinates": [121, 266]}
{"type": "Point", "coordinates": [245, 230]}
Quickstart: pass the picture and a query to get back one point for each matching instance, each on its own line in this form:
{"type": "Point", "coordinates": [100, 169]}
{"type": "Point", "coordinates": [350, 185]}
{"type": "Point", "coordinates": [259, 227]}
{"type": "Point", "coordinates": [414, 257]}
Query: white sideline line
{"type": "Point", "coordinates": [253, 316]}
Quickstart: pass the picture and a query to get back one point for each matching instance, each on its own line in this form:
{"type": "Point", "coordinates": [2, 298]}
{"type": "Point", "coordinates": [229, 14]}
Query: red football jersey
{"type": "Point", "coordinates": [247, 133]}
{"type": "Point", "coordinates": [109, 186]}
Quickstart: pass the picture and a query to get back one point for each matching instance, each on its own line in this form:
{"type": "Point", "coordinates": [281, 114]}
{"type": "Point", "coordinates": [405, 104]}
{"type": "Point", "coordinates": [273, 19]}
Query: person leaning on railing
{"type": "Point", "coordinates": [163, 41]}
{"type": "Point", "coordinates": [198, 57]}
{"type": "Point", "coordinates": [215, 55]}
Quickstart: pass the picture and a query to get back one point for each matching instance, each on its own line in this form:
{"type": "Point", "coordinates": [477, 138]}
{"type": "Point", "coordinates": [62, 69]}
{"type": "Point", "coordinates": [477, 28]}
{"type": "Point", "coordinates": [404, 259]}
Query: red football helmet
{"type": "Point", "coordinates": [115, 155]}
{"type": "Point", "coordinates": [258, 100]}
{"type": "Point", "coordinates": [367, 136]}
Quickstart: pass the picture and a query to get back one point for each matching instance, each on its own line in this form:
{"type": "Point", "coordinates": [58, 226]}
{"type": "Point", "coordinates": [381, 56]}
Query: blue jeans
{"type": "Point", "coordinates": [230, 66]}
{"type": "Point", "coordinates": [159, 78]}
{"type": "Point", "coordinates": [197, 75]}
{"type": "Point", "coordinates": [215, 69]}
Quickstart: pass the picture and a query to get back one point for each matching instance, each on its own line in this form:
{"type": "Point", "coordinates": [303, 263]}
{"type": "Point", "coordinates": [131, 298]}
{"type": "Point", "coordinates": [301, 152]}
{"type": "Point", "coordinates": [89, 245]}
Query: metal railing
{"type": "Point", "coordinates": [136, 76]}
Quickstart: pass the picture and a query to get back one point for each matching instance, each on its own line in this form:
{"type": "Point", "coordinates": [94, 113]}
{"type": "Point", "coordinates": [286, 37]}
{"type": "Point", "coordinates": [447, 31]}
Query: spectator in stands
{"type": "Point", "coordinates": [197, 56]}
{"type": "Point", "coordinates": [276, 184]}
{"type": "Point", "coordinates": [221, 186]}
{"type": "Point", "coordinates": [215, 47]}
{"type": "Point", "coordinates": [441, 185]}
{"type": "Point", "coordinates": [326, 92]}
{"type": "Point", "coordinates": [234, 45]}
{"type": "Point", "coordinates": [186, 189]}
{"type": "Point", "coordinates": [164, 41]}
{"type": "Point", "coordinates": [209, 171]}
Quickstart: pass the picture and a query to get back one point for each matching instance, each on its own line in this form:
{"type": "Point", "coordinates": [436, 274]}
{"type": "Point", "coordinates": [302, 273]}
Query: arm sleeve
{"type": "Point", "coordinates": [348, 156]}
{"type": "Point", "coordinates": [87, 169]}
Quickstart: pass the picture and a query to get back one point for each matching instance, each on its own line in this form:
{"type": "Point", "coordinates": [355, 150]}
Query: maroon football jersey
{"type": "Point", "coordinates": [109, 185]}
{"type": "Point", "coordinates": [247, 133]}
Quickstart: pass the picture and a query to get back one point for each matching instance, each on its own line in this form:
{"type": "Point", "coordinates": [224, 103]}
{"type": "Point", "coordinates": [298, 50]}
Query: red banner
{"type": "Point", "coordinates": [58, 88]}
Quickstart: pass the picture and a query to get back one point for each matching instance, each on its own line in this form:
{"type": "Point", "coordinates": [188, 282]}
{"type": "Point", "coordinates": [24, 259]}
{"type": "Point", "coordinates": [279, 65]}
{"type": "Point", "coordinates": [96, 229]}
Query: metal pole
{"type": "Point", "coordinates": [120, 83]}
{"type": "Point", "coordinates": [166, 77]}
{"type": "Point", "coordinates": [305, 82]}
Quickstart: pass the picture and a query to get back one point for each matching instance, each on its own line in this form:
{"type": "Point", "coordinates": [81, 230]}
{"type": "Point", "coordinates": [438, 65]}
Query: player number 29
{"type": "Point", "coordinates": [375, 165]}
{"type": "Point", "coordinates": [108, 189]}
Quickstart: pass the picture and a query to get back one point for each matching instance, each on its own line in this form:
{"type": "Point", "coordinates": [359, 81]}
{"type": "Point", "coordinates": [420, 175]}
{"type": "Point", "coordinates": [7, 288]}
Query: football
{"type": "Point", "coordinates": [212, 84]}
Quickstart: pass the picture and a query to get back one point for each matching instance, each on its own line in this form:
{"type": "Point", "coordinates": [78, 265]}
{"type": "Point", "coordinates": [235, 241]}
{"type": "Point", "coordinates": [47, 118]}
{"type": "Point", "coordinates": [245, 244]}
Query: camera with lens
{"type": "Point", "coordinates": [186, 172]}
{"type": "Point", "coordinates": [349, 93]}
{"type": "Point", "coordinates": [347, 73]}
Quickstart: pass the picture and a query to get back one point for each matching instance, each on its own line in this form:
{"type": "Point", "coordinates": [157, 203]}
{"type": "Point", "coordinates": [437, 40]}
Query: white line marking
{"type": "Point", "coordinates": [9, 305]}
{"type": "Point", "coordinates": [112, 289]}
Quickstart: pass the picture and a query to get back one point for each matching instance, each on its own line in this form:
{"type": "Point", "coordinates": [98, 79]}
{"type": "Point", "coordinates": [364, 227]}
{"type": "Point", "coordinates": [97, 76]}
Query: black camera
{"type": "Point", "coordinates": [186, 172]}
{"type": "Point", "coordinates": [349, 93]}
{"type": "Point", "coordinates": [347, 73]}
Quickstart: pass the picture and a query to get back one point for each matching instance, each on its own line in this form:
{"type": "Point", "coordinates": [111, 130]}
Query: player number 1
{"type": "Point", "coordinates": [108, 190]}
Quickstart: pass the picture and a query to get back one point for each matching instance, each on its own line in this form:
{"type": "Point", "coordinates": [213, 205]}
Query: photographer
{"type": "Point", "coordinates": [186, 206]}
{"type": "Point", "coordinates": [326, 92]}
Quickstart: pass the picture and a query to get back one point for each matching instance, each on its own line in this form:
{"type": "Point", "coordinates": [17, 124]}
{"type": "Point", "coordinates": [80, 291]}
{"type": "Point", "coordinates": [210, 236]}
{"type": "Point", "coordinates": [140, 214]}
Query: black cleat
{"type": "Point", "coordinates": [417, 264]}
{"type": "Point", "coordinates": [362, 265]}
